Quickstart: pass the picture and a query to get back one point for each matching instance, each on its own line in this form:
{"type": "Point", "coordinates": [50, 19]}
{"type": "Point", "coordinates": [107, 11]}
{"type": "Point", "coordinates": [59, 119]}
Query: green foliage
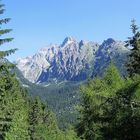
{"type": "Point", "coordinates": [22, 118]}
{"type": "Point", "coordinates": [42, 124]}
{"type": "Point", "coordinates": [3, 32]}
{"type": "Point", "coordinates": [133, 66]}
{"type": "Point", "coordinates": [110, 108]}
{"type": "Point", "coordinates": [40, 120]}
{"type": "Point", "coordinates": [61, 98]}
{"type": "Point", "coordinates": [19, 123]}
{"type": "Point", "coordinates": [8, 84]}
{"type": "Point", "coordinates": [123, 114]}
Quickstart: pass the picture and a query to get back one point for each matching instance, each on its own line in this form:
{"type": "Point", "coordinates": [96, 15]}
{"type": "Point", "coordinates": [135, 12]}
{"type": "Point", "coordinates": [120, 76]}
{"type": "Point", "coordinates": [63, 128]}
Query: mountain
{"type": "Point", "coordinates": [110, 51]}
{"type": "Point", "coordinates": [72, 60]}
{"type": "Point", "coordinates": [60, 97]}
{"type": "Point", "coordinates": [62, 68]}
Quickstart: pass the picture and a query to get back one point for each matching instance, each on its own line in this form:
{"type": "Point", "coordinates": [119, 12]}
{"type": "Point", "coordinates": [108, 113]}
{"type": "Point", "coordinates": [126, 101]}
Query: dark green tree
{"type": "Point", "coordinates": [13, 107]}
{"type": "Point", "coordinates": [122, 113]}
{"type": "Point", "coordinates": [35, 118]}
{"type": "Point", "coordinates": [42, 123]}
{"type": "Point", "coordinates": [18, 107]}
{"type": "Point", "coordinates": [110, 108]}
{"type": "Point", "coordinates": [95, 94]}
{"type": "Point", "coordinates": [5, 78]}
{"type": "Point", "coordinates": [133, 63]}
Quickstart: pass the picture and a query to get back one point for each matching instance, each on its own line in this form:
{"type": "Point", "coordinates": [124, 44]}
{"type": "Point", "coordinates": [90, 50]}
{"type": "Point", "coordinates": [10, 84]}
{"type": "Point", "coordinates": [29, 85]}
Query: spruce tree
{"type": "Point", "coordinates": [110, 108]}
{"type": "Point", "coordinates": [18, 106]}
{"type": "Point", "coordinates": [96, 94]}
{"type": "Point", "coordinates": [42, 123]}
{"type": "Point", "coordinates": [35, 118]}
{"type": "Point", "coordinates": [5, 77]}
{"type": "Point", "coordinates": [12, 102]}
{"type": "Point", "coordinates": [122, 113]}
{"type": "Point", "coordinates": [20, 117]}
{"type": "Point", "coordinates": [133, 64]}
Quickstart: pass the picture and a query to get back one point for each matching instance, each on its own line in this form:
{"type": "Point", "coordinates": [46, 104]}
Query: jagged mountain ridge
{"type": "Point", "coordinates": [111, 51]}
{"type": "Point", "coordinates": [72, 60]}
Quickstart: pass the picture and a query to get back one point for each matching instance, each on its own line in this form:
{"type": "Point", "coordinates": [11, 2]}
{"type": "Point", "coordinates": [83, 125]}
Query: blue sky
{"type": "Point", "coordinates": [38, 23]}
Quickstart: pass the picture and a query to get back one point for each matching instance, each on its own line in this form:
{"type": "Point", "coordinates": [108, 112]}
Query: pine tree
{"type": "Point", "coordinates": [133, 64]}
{"type": "Point", "coordinates": [122, 116]}
{"type": "Point", "coordinates": [96, 94]}
{"type": "Point", "coordinates": [42, 123]}
{"type": "Point", "coordinates": [22, 118]}
{"type": "Point", "coordinates": [5, 104]}
{"type": "Point", "coordinates": [12, 102]}
{"type": "Point", "coordinates": [19, 106]}
{"type": "Point", "coordinates": [6, 78]}
{"type": "Point", "coordinates": [35, 118]}
{"type": "Point", "coordinates": [110, 108]}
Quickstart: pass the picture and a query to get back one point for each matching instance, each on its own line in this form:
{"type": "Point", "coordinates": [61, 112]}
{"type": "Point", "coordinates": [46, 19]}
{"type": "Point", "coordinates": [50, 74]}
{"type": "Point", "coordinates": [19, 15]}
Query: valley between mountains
{"type": "Point", "coordinates": [56, 72]}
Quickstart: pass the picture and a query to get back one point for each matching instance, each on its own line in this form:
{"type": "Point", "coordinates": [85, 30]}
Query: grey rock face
{"type": "Point", "coordinates": [72, 60]}
{"type": "Point", "coordinates": [110, 51]}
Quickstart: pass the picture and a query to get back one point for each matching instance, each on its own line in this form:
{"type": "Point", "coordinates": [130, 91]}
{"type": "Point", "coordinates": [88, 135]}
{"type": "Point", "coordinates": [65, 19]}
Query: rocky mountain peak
{"type": "Point", "coordinates": [72, 60]}
{"type": "Point", "coordinates": [68, 40]}
{"type": "Point", "coordinates": [108, 41]}
{"type": "Point", "coordinates": [82, 42]}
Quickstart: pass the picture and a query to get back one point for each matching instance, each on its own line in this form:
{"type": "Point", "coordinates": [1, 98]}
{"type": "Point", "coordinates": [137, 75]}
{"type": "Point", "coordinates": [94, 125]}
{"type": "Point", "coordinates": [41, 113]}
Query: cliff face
{"type": "Point", "coordinates": [72, 60]}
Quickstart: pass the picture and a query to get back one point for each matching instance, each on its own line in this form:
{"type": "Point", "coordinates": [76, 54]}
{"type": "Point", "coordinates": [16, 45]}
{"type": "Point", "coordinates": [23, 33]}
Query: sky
{"type": "Point", "coordinates": [38, 23]}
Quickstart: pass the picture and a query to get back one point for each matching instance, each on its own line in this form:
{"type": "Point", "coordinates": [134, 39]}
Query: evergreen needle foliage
{"type": "Point", "coordinates": [110, 109]}
{"type": "Point", "coordinates": [21, 117]}
{"type": "Point", "coordinates": [133, 63]}
{"type": "Point", "coordinates": [8, 84]}
{"type": "Point", "coordinates": [110, 106]}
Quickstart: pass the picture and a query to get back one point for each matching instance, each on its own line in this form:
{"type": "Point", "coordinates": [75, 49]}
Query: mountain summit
{"type": "Point", "coordinates": [68, 40]}
{"type": "Point", "coordinates": [72, 60]}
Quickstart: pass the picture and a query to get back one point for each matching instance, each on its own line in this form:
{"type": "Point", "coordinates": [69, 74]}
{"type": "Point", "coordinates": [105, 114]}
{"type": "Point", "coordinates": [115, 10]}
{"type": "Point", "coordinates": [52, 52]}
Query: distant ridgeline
{"type": "Point", "coordinates": [56, 72]}
{"type": "Point", "coordinates": [108, 107]}
{"type": "Point", "coordinates": [22, 117]}
{"type": "Point", "coordinates": [72, 60]}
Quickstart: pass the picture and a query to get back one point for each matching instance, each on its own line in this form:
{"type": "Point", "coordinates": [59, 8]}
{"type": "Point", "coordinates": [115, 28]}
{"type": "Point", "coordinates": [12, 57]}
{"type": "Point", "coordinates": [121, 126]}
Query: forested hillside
{"type": "Point", "coordinates": [109, 105]}
{"type": "Point", "coordinates": [62, 97]}
{"type": "Point", "coordinates": [23, 117]}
